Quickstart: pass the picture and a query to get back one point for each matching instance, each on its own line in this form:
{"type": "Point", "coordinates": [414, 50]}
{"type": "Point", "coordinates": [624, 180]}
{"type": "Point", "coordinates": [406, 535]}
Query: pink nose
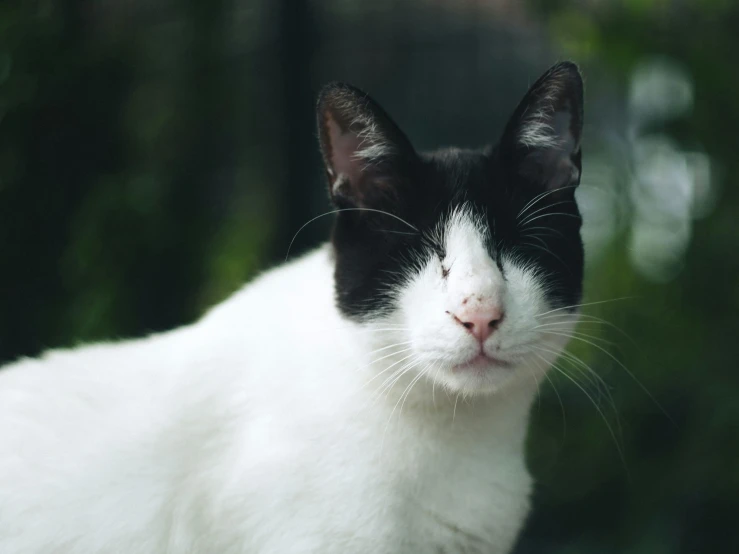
{"type": "Point", "coordinates": [481, 322]}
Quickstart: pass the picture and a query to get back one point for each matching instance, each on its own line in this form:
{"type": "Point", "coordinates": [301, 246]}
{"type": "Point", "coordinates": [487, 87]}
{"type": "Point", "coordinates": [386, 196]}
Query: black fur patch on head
{"type": "Point", "coordinates": [391, 198]}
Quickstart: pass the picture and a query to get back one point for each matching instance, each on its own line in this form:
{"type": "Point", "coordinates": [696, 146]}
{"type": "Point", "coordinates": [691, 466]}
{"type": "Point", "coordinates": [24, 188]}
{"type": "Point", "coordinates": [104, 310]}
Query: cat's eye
{"type": "Point", "coordinates": [439, 250]}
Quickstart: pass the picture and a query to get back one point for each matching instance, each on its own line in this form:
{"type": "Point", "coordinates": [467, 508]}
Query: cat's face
{"type": "Point", "coordinates": [471, 261]}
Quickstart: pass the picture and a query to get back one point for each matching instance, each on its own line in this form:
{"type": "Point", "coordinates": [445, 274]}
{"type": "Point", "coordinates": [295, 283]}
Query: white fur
{"type": "Point", "coordinates": [536, 130]}
{"type": "Point", "coordinates": [269, 427]}
{"type": "Point", "coordinates": [374, 145]}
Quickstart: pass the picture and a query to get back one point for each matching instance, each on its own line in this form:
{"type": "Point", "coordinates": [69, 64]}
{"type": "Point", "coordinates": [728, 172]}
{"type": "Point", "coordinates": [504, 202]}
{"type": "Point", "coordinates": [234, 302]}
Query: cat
{"type": "Point", "coordinates": [371, 396]}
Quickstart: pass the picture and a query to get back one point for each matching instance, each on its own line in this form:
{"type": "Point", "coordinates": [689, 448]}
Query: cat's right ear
{"type": "Point", "coordinates": [368, 159]}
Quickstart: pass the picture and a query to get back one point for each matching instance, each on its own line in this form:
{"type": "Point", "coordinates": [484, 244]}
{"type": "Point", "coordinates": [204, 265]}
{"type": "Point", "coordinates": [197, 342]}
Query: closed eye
{"type": "Point", "coordinates": [445, 269]}
{"type": "Point", "coordinates": [440, 252]}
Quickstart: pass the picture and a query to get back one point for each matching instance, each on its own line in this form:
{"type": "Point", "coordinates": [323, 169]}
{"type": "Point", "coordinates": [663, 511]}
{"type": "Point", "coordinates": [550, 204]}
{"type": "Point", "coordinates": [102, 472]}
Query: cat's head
{"type": "Point", "coordinates": [471, 261]}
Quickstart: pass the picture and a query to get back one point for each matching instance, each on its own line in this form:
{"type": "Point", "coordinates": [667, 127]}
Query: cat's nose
{"type": "Point", "coordinates": [481, 322]}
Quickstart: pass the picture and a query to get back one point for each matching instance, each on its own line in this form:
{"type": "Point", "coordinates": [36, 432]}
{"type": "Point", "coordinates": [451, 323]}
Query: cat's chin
{"type": "Point", "coordinates": [480, 363]}
{"type": "Point", "coordinates": [480, 375]}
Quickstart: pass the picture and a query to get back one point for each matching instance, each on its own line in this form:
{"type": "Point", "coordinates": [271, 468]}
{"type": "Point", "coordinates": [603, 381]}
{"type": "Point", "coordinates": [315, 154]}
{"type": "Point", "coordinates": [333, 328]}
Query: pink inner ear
{"type": "Point", "coordinates": [344, 146]}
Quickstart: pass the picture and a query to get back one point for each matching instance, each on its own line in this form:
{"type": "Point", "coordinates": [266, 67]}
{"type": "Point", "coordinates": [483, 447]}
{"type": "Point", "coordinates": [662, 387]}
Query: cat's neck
{"type": "Point", "coordinates": [501, 418]}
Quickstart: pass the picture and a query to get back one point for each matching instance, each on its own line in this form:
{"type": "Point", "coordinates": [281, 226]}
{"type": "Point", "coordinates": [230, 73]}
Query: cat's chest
{"type": "Point", "coordinates": [360, 486]}
{"type": "Point", "coordinates": [448, 497]}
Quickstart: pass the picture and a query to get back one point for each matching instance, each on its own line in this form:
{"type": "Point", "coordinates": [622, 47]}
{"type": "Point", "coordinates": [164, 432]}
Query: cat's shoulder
{"type": "Point", "coordinates": [284, 287]}
{"type": "Point", "coordinates": [281, 291]}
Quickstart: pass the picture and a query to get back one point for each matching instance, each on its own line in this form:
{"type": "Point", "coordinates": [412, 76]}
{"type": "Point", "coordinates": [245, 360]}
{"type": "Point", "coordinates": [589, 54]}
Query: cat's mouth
{"type": "Point", "coordinates": [481, 362]}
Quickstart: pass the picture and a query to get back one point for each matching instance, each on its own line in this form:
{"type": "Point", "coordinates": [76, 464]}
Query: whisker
{"type": "Point", "coordinates": [537, 237]}
{"type": "Point", "coordinates": [622, 366]}
{"type": "Point", "coordinates": [540, 196]}
{"type": "Point", "coordinates": [389, 368]}
{"type": "Point", "coordinates": [559, 398]}
{"type": "Point", "coordinates": [536, 384]}
{"type": "Point", "coordinates": [577, 361]}
{"type": "Point", "coordinates": [528, 218]}
{"type": "Point", "coordinates": [404, 395]}
{"type": "Point", "coordinates": [346, 210]}
{"type": "Point", "coordinates": [394, 376]}
{"type": "Point", "coordinates": [602, 415]}
{"type": "Point", "coordinates": [436, 366]}
{"type": "Point", "coordinates": [549, 252]}
{"type": "Point", "coordinates": [400, 233]}
{"type": "Point", "coordinates": [586, 304]}
{"type": "Point", "coordinates": [593, 376]}
{"type": "Point", "coordinates": [552, 214]}
{"type": "Point", "coordinates": [574, 323]}
{"type": "Point", "coordinates": [365, 330]}
{"type": "Point", "coordinates": [539, 227]}
{"type": "Point", "coordinates": [386, 347]}
{"type": "Point", "coordinates": [590, 379]}
{"type": "Point", "coordinates": [533, 201]}
{"type": "Point", "coordinates": [573, 334]}
{"type": "Point", "coordinates": [587, 319]}
{"type": "Point", "coordinates": [383, 357]}
{"type": "Point", "coordinates": [540, 236]}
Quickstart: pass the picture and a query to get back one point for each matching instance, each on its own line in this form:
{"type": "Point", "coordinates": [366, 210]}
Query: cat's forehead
{"type": "Point", "coordinates": [458, 167]}
{"type": "Point", "coordinates": [457, 181]}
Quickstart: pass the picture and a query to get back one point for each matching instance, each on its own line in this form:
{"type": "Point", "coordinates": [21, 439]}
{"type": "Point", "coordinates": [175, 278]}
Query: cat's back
{"type": "Point", "coordinates": [68, 424]}
{"type": "Point", "coordinates": [119, 427]}
{"type": "Point", "coordinates": [239, 334]}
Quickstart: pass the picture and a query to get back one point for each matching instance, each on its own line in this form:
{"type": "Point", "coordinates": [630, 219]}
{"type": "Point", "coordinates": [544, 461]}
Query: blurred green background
{"type": "Point", "coordinates": [154, 155]}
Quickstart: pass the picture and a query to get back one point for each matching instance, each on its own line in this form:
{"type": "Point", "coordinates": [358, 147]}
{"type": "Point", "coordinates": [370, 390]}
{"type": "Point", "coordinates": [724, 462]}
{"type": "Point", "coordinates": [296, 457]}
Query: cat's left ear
{"type": "Point", "coordinates": [541, 142]}
{"type": "Point", "coordinates": [368, 159]}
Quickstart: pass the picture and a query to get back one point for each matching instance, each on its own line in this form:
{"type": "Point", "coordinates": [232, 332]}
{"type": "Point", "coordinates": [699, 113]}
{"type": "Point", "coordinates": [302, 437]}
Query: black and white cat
{"type": "Point", "coordinates": [318, 409]}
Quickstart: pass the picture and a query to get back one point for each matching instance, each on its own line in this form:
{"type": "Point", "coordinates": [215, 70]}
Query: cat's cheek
{"type": "Point", "coordinates": [421, 303]}
{"type": "Point", "coordinates": [525, 296]}
{"type": "Point", "coordinates": [421, 295]}
{"type": "Point", "coordinates": [537, 331]}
